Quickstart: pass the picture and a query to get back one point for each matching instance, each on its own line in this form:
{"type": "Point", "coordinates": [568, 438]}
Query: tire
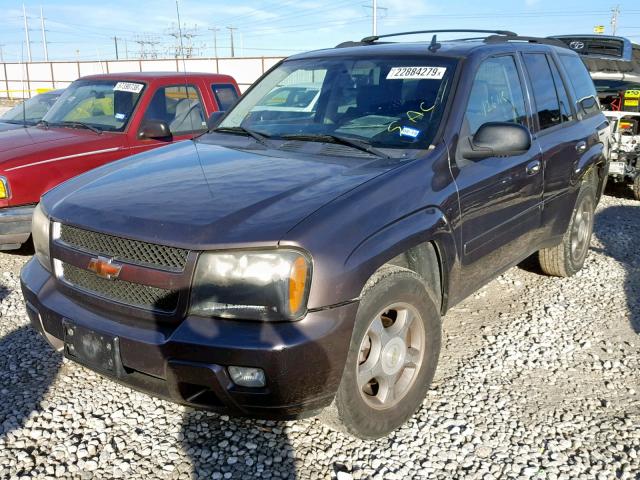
{"type": "Point", "coordinates": [636, 187]}
{"type": "Point", "coordinates": [567, 258]}
{"type": "Point", "coordinates": [372, 410]}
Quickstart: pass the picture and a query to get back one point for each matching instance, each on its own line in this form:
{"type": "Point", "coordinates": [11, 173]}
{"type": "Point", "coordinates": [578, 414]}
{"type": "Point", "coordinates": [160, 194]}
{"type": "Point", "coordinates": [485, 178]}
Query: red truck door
{"type": "Point", "coordinates": [181, 107]}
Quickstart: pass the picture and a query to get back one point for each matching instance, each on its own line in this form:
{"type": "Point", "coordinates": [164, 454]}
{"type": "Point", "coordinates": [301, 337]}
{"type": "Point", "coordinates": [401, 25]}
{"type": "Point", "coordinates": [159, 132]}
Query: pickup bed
{"type": "Point", "coordinates": [100, 119]}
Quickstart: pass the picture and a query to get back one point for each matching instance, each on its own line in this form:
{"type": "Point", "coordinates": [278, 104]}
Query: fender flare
{"type": "Point", "coordinates": [427, 225]}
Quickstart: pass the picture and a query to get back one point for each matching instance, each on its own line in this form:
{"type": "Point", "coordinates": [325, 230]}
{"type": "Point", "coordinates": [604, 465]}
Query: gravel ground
{"type": "Point", "coordinates": [539, 378]}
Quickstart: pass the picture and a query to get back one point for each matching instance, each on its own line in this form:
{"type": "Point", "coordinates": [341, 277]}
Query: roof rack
{"type": "Point", "coordinates": [375, 38]}
{"type": "Point", "coordinates": [517, 38]}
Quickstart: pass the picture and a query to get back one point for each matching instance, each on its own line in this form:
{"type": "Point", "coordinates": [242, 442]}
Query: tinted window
{"type": "Point", "coordinates": [180, 107]}
{"type": "Point", "coordinates": [226, 96]}
{"type": "Point", "coordinates": [580, 80]}
{"type": "Point", "coordinates": [565, 103]}
{"type": "Point", "coordinates": [544, 90]}
{"type": "Point", "coordinates": [496, 95]}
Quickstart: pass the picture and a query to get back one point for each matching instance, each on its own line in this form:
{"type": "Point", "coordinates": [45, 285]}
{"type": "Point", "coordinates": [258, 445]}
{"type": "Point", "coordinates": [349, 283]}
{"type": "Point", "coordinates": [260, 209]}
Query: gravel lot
{"type": "Point", "coordinates": [539, 379]}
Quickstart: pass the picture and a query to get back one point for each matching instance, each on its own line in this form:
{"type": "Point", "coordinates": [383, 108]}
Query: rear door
{"type": "Point", "coordinates": [500, 197]}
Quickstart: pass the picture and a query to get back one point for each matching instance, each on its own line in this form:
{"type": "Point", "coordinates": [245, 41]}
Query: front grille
{"type": "Point", "coordinates": [142, 296]}
{"type": "Point", "coordinates": [130, 251]}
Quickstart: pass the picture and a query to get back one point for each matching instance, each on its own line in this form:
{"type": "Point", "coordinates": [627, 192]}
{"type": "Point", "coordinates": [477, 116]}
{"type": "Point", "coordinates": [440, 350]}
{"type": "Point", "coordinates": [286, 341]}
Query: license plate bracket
{"type": "Point", "coordinates": [95, 350]}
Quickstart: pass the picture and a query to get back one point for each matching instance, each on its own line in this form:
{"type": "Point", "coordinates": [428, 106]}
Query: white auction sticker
{"type": "Point", "coordinates": [128, 87]}
{"type": "Point", "coordinates": [416, 73]}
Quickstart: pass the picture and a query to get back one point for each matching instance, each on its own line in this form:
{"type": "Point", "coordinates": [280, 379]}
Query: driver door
{"type": "Point", "coordinates": [500, 197]}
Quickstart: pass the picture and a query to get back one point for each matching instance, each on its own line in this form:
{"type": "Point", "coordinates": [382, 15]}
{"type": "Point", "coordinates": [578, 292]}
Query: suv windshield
{"type": "Point", "coordinates": [97, 104]}
{"type": "Point", "coordinates": [32, 111]}
{"type": "Point", "coordinates": [391, 103]}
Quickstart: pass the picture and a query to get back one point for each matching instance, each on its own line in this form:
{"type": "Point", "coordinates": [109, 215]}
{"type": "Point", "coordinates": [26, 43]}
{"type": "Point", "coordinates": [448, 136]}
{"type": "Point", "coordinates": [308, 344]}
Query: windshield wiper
{"type": "Point", "coordinates": [258, 137]}
{"type": "Point", "coordinates": [361, 145]}
{"type": "Point", "coordinates": [78, 125]}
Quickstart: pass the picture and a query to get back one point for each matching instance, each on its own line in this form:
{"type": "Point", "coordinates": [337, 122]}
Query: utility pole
{"type": "Point", "coordinates": [615, 13]}
{"type": "Point", "coordinates": [375, 17]}
{"type": "Point", "coordinates": [44, 37]}
{"type": "Point", "coordinates": [126, 49]}
{"type": "Point", "coordinates": [375, 9]}
{"type": "Point", "coordinates": [26, 32]}
{"type": "Point", "coordinates": [115, 41]}
{"type": "Point", "coordinates": [233, 51]}
{"type": "Point", "coordinates": [215, 40]}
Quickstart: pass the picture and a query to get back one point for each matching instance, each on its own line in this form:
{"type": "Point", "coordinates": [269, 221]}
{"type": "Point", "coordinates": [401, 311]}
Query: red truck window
{"type": "Point", "coordinates": [180, 106]}
{"type": "Point", "coordinates": [226, 95]}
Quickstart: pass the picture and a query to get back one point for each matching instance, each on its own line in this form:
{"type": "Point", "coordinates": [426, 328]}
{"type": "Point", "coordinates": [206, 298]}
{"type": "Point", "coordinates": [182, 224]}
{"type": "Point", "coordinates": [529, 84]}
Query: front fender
{"type": "Point", "coordinates": [426, 225]}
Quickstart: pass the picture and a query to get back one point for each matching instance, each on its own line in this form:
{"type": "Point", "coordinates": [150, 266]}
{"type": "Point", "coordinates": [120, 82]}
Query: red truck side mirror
{"type": "Point", "coordinates": [154, 129]}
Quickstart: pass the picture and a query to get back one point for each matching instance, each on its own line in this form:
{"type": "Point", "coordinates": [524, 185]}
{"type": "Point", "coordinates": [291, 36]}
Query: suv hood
{"type": "Point", "coordinates": [210, 198]}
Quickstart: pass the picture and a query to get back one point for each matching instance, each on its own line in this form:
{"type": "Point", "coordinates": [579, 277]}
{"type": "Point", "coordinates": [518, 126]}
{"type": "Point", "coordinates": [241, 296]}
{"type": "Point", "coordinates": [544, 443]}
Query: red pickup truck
{"type": "Point", "coordinates": [100, 119]}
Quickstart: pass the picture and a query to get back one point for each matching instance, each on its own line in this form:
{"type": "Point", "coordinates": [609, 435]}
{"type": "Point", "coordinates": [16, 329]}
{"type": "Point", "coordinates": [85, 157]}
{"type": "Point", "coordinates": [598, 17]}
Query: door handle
{"type": "Point", "coordinates": [581, 147]}
{"type": "Point", "coordinates": [534, 168]}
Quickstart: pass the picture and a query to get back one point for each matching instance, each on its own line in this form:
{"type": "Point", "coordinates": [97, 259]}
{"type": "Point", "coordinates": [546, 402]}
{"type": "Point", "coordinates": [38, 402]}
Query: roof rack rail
{"type": "Point", "coordinates": [375, 38]}
{"type": "Point", "coordinates": [518, 38]}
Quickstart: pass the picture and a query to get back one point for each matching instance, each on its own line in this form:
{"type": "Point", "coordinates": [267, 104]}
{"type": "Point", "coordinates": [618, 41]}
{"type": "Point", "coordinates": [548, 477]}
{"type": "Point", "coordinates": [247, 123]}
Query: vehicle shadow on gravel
{"type": "Point", "coordinates": [224, 446]}
{"type": "Point", "coordinates": [615, 228]}
{"type": "Point", "coordinates": [28, 367]}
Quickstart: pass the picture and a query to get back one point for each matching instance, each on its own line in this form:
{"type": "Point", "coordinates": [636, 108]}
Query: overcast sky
{"type": "Point", "coordinates": [85, 30]}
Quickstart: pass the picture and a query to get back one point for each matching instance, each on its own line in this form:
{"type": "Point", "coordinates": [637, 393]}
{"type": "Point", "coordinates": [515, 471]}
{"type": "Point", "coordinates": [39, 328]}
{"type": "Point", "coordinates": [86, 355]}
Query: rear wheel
{"type": "Point", "coordinates": [567, 258]}
{"type": "Point", "coordinates": [392, 358]}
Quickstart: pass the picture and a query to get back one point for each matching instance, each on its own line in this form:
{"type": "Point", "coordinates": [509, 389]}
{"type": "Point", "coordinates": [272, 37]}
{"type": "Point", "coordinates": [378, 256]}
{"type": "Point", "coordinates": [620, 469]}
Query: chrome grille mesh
{"type": "Point", "coordinates": [142, 296]}
{"type": "Point", "coordinates": [131, 251]}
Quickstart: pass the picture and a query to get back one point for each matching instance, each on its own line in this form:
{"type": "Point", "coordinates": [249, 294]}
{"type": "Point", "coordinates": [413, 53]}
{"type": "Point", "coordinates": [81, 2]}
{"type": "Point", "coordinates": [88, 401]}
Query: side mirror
{"type": "Point", "coordinates": [496, 139]}
{"type": "Point", "coordinates": [214, 119]}
{"type": "Point", "coordinates": [154, 129]}
{"type": "Point", "coordinates": [589, 104]}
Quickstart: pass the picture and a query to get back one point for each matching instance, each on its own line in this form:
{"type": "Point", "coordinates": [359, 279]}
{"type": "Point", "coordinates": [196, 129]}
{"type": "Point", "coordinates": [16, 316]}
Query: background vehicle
{"type": "Point", "coordinates": [100, 119]}
{"type": "Point", "coordinates": [29, 112]}
{"type": "Point", "coordinates": [625, 149]}
{"type": "Point", "coordinates": [278, 266]}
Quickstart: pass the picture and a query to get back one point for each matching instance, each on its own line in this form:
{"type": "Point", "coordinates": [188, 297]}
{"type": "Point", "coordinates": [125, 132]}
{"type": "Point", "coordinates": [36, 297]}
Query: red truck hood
{"type": "Point", "coordinates": [25, 146]}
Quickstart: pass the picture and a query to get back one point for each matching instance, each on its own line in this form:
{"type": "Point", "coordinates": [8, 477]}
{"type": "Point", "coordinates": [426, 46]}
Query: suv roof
{"type": "Point", "coordinates": [498, 41]}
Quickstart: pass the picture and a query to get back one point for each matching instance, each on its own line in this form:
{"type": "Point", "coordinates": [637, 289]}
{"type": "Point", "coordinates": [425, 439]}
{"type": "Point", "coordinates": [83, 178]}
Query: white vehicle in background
{"type": "Point", "coordinates": [299, 98]}
{"type": "Point", "coordinates": [624, 150]}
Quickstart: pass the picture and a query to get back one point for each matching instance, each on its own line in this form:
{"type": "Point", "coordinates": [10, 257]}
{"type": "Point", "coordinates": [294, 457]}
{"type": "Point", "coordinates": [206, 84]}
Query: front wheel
{"type": "Point", "coordinates": [392, 358]}
{"type": "Point", "coordinates": [567, 258]}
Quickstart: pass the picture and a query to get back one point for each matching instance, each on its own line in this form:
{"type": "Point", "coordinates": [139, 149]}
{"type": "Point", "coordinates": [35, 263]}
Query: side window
{"type": "Point", "coordinates": [226, 96]}
{"type": "Point", "coordinates": [496, 94]}
{"type": "Point", "coordinates": [581, 81]}
{"type": "Point", "coordinates": [180, 107]}
{"type": "Point", "coordinates": [544, 90]}
{"type": "Point", "coordinates": [565, 103]}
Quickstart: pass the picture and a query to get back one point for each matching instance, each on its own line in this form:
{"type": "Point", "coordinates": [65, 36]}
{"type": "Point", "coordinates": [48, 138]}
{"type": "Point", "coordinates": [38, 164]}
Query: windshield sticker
{"type": "Point", "coordinates": [416, 73]}
{"type": "Point", "coordinates": [128, 87]}
{"type": "Point", "coordinates": [409, 132]}
{"type": "Point", "coordinates": [120, 116]}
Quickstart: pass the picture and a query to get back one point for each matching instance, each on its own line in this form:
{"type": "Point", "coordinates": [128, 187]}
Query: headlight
{"type": "Point", "coordinates": [40, 231]}
{"type": "Point", "coordinates": [261, 285]}
{"type": "Point", "coordinates": [4, 189]}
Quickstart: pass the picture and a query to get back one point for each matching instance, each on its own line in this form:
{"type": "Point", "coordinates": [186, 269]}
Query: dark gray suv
{"type": "Point", "coordinates": [294, 260]}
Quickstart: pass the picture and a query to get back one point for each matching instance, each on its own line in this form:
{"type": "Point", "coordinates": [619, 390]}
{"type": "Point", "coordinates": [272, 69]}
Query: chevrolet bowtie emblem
{"type": "Point", "coordinates": [105, 268]}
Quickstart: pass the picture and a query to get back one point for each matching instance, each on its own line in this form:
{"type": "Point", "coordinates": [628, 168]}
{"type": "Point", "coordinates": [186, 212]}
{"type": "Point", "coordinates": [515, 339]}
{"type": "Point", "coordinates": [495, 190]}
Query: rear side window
{"type": "Point", "coordinates": [581, 81]}
{"type": "Point", "coordinates": [226, 96]}
{"type": "Point", "coordinates": [565, 104]}
{"type": "Point", "coordinates": [496, 94]}
{"type": "Point", "coordinates": [544, 90]}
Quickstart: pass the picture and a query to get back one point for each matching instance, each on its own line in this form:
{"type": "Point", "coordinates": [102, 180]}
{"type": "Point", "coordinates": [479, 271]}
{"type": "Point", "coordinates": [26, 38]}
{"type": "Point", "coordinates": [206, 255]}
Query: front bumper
{"type": "Point", "coordinates": [15, 226]}
{"type": "Point", "coordinates": [186, 363]}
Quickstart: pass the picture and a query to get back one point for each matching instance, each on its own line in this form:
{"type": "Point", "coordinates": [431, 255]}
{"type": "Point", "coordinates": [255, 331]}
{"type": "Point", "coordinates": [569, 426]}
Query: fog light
{"type": "Point", "coordinates": [248, 376]}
